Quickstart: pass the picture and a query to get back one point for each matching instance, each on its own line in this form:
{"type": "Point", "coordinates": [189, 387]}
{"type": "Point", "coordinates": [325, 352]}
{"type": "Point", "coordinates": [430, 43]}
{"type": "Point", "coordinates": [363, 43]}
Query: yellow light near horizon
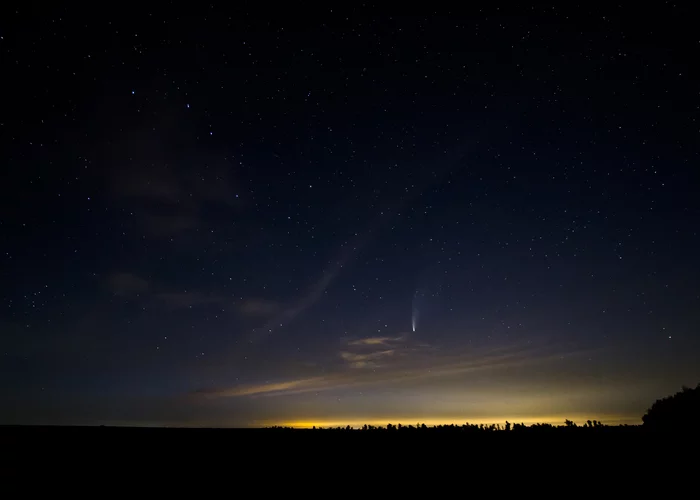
{"type": "Point", "coordinates": [553, 420]}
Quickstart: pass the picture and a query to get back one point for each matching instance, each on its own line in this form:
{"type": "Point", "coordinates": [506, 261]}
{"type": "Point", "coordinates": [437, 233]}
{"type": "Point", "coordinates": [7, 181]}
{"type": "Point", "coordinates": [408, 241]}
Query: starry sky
{"type": "Point", "coordinates": [220, 217]}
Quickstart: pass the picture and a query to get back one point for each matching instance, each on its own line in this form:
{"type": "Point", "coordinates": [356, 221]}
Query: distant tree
{"type": "Point", "coordinates": [680, 411]}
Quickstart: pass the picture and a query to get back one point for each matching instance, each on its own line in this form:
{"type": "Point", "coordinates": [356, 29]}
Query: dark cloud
{"type": "Point", "coordinates": [126, 284]}
{"type": "Point", "coordinates": [259, 307]}
{"type": "Point", "coordinates": [167, 202]}
{"type": "Point", "coordinates": [187, 299]}
{"type": "Point", "coordinates": [162, 225]}
{"type": "Point", "coordinates": [166, 186]}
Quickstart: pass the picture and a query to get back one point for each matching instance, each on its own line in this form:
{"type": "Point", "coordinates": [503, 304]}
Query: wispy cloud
{"type": "Point", "coordinates": [310, 297]}
{"type": "Point", "coordinates": [371, 352]}
{"type": "Point", "coordinates": [269, 388]}
{"type": "Point", "coordinates": [371, 359]}
{"type": "Point", "coordinates": [374, 341]}
{"type": "Point", "coordinates": [334, 267]}
{"type": "Point", "coordinates": [419, 366]}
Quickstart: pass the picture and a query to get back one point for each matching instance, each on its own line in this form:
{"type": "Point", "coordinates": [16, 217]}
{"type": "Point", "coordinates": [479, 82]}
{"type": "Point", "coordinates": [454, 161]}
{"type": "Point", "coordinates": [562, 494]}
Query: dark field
{"type": "Point", "coordinates": [168, 443]}
{"type": "Point", "coordinates": [332, 463]}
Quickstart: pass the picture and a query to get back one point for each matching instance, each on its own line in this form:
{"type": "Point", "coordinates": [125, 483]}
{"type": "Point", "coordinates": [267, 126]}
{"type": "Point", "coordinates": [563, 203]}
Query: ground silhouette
{"type": "Point", "coordinates": [89, 450]}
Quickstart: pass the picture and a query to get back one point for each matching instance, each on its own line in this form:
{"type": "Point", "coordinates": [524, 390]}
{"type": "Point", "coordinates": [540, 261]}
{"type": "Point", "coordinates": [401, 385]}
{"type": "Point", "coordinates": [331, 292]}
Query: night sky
{"type": "Point", "coordinates": [326, 217]}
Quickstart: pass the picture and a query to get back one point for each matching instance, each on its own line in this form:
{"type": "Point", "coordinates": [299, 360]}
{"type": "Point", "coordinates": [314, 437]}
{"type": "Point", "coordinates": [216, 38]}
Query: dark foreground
{"type": "Point", "coordinates": [362, 454]}
{"type": "Point", "coordinates": [107, 440]}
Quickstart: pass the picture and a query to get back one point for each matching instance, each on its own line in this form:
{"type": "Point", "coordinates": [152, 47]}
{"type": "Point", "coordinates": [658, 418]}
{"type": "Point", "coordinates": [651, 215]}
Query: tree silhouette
{"type": "Point", "coordinates": [678, 412]}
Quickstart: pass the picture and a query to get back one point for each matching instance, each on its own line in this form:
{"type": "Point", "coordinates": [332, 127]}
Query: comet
{"type": "Point", "coordinates": [414, 312]}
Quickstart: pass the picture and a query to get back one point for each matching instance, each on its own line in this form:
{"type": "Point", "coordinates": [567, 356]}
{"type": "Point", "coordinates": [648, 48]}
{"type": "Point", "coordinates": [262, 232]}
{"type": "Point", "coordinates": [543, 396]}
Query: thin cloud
{"type": "Point", "coordinates": [372, 359]}
{"type": "Point", "coordinates": [405, 370]}
{"type": "Point", "coordinates": [312, 295]}
{"type": "Point", "coordinates": [373, 341]}
{"type": "Point", "coordinates": [349, 356]}
{"type": "Point", "coordinates": [255, 390]}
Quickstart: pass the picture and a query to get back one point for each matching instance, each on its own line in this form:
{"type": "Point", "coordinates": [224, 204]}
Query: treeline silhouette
{"type": "Point", "coordinates": [678, 412]}
{"type": "Point", "coordinates": [467, 427]}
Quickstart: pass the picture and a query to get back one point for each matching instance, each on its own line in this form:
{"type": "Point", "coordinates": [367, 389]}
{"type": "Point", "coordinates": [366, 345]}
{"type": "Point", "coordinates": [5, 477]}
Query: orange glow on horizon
{"type": "Point", "coordinates": [406, 421]}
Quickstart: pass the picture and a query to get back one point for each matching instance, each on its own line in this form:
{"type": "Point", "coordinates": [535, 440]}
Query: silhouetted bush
{"type": "Point", "coordinates": [680, 412]}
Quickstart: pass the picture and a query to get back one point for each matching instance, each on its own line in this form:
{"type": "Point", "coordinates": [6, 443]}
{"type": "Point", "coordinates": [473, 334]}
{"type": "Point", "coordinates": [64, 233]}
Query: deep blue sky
{"type": "Point", "coordinates": [216, 217]}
